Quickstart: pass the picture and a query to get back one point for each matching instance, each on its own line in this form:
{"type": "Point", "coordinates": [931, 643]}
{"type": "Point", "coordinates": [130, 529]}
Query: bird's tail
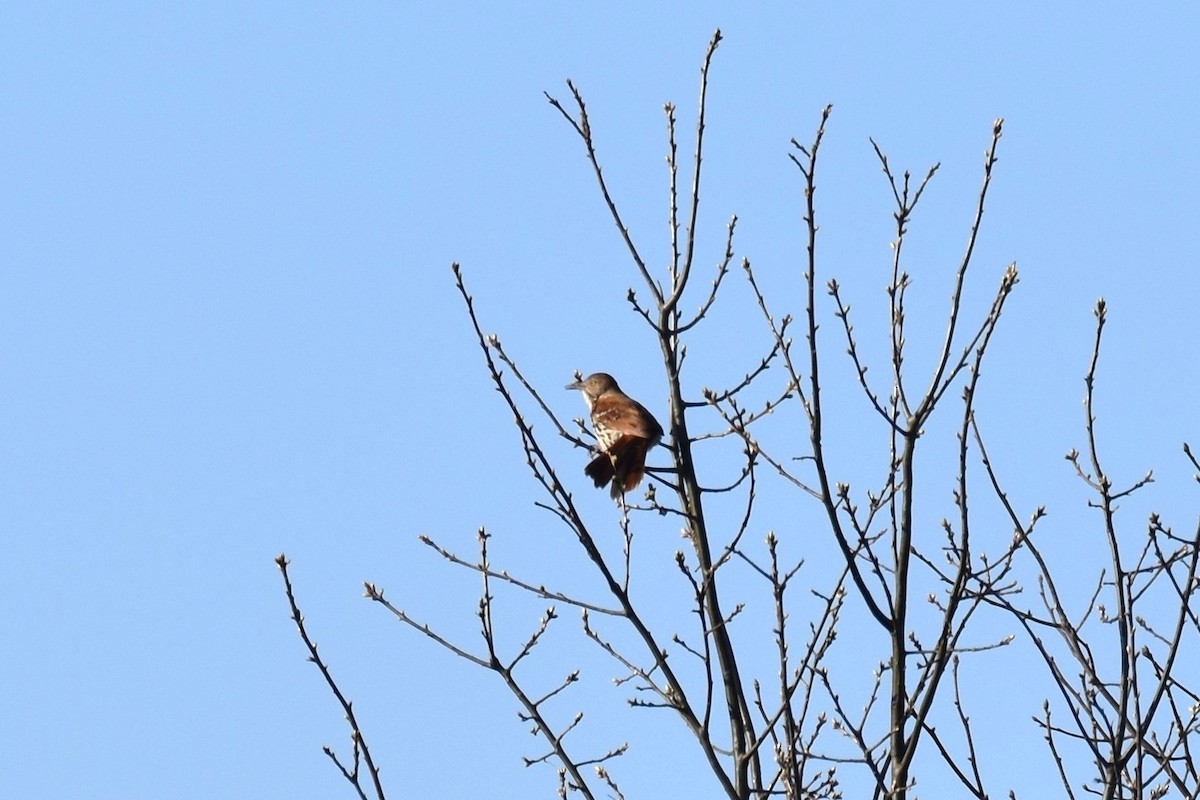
{"type": "Point", "coordinates": [628, 456]}
{"type": "Point", "coordinates": [600, 470]}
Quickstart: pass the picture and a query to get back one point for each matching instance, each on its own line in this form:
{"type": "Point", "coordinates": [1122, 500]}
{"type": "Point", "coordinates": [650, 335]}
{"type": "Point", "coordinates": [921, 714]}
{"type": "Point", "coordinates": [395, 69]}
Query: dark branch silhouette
{"type": "Point", "coordinates": [778, 716]}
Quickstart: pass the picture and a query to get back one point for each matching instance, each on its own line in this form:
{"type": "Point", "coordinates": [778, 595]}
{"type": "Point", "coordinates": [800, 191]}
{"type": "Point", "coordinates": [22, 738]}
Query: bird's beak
{"type": "Point", "coordinates": [574, 385]}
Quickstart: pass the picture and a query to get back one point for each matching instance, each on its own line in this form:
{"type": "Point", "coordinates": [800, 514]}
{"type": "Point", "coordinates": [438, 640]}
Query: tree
{"type": "Point", "coordinates": [1120, 719]}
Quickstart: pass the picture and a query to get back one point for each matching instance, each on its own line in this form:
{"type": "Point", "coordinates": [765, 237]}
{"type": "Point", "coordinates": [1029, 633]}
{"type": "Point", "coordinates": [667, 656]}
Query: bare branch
{"type": "Point", "coordinates": [358, 743]}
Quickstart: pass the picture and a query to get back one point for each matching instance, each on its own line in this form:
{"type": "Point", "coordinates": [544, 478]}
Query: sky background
{"type": "Point", "coordinates": [229, 329]}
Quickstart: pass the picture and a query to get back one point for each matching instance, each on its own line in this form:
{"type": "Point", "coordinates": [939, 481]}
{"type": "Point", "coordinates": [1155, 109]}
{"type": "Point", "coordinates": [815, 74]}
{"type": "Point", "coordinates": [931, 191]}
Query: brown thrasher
{"type": "Point", "coordinates": [625, 432]}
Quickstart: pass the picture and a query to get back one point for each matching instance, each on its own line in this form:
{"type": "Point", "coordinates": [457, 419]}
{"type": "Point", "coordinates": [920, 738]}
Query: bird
{"type": "Point", "coordinates": [625, 432]}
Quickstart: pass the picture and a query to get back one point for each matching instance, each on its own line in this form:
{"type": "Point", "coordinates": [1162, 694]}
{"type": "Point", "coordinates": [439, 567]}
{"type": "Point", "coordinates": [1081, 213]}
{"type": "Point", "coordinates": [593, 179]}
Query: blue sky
{"type": "Point", "coordinates": [230, 329]}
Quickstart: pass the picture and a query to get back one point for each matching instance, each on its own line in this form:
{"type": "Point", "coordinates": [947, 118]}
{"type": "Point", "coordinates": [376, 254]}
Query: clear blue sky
{"type": "Point", "coordinates": [229, 328]}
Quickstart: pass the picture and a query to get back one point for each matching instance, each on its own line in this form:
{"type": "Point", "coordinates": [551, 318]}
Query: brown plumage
{"type": "Point", "coordinates": [625, 432]}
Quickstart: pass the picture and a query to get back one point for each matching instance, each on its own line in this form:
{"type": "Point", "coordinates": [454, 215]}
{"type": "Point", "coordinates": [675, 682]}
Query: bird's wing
{"type": "Point", "coordinates": [625, 417]}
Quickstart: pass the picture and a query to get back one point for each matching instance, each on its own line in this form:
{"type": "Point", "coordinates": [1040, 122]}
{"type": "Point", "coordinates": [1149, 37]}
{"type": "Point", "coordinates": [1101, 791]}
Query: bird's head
{"type": "Point", "coordinates": [595, 385]}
